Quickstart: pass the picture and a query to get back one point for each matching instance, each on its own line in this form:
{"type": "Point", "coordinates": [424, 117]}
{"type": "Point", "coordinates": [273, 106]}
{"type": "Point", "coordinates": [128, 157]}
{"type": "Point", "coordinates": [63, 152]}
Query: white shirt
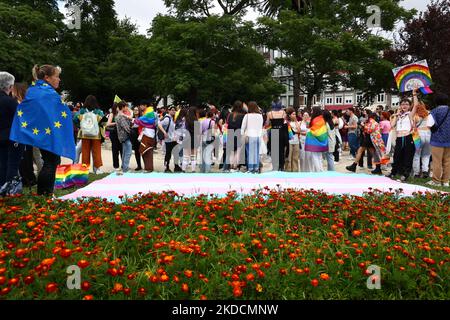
{"type": "Point", "coordinates": [430, 121]}
{"type": "Point", "coordinates": [149, 132]}
{"type": "Point", "coordinates": [404, 123]}
{"type": "Point", "coordinates": [295, 140]}
{"type": "Point", "coordinates": [252, 125]}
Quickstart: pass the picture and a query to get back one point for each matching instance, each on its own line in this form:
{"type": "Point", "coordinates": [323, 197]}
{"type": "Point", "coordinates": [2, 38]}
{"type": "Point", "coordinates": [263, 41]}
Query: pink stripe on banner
{"type": "Point", "coordinates": [114, 186]}
{"type": "Point", "coordinates": [312, 181]}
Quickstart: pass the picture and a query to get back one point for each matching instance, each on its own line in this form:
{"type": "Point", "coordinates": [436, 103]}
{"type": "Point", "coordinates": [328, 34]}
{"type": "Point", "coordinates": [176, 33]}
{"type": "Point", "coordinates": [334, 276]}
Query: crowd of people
{"type": "Point", "coordinates": [235, 138]}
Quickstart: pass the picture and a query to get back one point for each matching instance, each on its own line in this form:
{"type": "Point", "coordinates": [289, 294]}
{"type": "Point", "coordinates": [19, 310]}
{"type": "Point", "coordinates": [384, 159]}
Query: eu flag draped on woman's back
{"type": "Point", "coordinates": [43, 121]}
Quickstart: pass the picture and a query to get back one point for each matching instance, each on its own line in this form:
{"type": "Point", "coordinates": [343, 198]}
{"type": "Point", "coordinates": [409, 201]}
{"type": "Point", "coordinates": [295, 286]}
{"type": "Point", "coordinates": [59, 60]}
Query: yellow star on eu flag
{"type": "Point", "coordinates": [35, 131]}
{"type": "Point", "coordinates": [20, 113]}
{"type": "Point", "coordinates": [48, 131]}
{"type": "Point", "coordinates": [58, 124]}
{"type": "Point", "coordinates": [64, 114]}
{"type": "Point", "coordinates": [24, 124]}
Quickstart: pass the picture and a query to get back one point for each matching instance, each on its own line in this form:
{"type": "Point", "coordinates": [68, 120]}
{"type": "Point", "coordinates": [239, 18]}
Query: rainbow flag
{"type": "Point", "coordinates": [317, 136]}
{"type": "Point", "coordinates": [413, 75]}
{"type": "Point", "coordinates": [290, 132]}
{"type": "Point", "coordinates": [148, 120]}
{"type": "Point", "coordinates": [224, 134]}
{"type": "Point", "coordinates": [416, 139]}
{"type": "Point", "coordinates": [71, 175]}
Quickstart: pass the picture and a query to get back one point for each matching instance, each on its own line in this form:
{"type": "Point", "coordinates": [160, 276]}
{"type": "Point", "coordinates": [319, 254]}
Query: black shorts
{"type": "Point", "coordinates": [367, 142]}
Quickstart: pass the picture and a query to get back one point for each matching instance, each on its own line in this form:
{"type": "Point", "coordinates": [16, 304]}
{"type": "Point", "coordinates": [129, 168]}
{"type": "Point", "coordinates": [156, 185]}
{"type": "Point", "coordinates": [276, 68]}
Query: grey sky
{"type": "Point", "coordinates": [142, 12]}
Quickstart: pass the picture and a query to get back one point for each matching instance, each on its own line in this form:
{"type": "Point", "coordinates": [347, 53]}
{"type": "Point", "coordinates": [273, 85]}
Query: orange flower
{"type": "Point", "coordinates": [324, 276]}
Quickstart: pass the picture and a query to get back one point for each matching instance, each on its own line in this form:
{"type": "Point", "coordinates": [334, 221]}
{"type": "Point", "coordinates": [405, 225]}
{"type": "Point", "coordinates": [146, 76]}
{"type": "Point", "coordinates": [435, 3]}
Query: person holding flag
{"type": "Point", "coordinates": [43, 121]}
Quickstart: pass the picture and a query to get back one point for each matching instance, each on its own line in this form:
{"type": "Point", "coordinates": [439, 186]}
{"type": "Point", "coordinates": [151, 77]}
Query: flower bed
{"type": "Point", "coordinates": [270, 245]}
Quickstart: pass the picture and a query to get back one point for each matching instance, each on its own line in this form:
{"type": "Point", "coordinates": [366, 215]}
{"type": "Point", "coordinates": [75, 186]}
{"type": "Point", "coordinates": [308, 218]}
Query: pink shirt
{"type": "Point", "coordinates": [385, 126]}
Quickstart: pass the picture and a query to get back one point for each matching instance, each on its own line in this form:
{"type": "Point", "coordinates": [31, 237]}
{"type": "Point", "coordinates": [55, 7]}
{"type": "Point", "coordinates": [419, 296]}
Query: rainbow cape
{"type": "Point", "coordinates": [148, 119]}
{"type": "Point", "coordinates": [317, 136]}
{"type": "Point", "coordinates": [414, 74]}
{"type": "Point", "coordinates": [71, 175]}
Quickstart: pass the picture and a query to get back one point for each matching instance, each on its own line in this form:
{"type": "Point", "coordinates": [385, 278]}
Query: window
{"type": "Point", "coordinates": [284, 101]}
{"type": "Point", "coordinates": [339, 100]}
{"type": "Point", "coordinates": [329, 100]}
{"type": "Point", "coordinates": [380, 98]}
{"type": "Point", "coordinates": [348, 100]}
{"type": "Point", "coordinates": [359, 98]}
{"type": "Point", "coordinates": [291, 100]}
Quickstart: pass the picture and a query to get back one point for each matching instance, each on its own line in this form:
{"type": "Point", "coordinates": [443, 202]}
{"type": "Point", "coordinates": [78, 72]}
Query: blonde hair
{"type": "Point", "coordinates": [39, 73]}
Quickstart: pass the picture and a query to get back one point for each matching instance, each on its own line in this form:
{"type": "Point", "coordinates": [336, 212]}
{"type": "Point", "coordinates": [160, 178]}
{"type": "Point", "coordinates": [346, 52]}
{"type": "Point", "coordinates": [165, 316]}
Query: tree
{"type": "Point", "coordinates": [331, 44]}
{"type": "Point", "coordinates": [428, 37]}
{"type": "Point", "coordinates": [208, 59]}
{"type": "Point", "coordinates": [30, 34]}
{"type": "Point", "coordinates": [105, 57]}
{"type": "Point", "coordinates": [183, 8]}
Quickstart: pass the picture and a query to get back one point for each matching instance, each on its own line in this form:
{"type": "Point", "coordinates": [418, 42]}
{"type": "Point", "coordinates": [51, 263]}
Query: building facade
{"type": "Point", "coordinates": [341, 99]}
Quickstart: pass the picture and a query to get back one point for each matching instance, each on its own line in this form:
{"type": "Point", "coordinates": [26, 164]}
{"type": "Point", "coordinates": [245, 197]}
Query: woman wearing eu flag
{"type": "Point", "coordinates": [43, 121]}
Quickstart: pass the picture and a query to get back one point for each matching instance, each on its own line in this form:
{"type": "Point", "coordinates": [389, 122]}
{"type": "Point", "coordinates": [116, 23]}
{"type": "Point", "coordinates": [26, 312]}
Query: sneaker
{"type": "Point", "coordinates": [446, 185]}
{"type": "Point", "coordinates": [168, 171]}
{"type": "Point", "coordinates": [390, 176]}
{"type": "Point", "coordinates": [403, 178]}
{"type": "Point", "coordinates": [434, 183]}
{"type": "Point", "coordinates": [99, 171]}
{"type": "Point", "coordinates": [233, 170]}
{"type": "Point", "coordinates": [119, 172]}
{"type": "Point", "coordinates": [138, 169]}
{"type": "Point", "coordinates": [417, 176]}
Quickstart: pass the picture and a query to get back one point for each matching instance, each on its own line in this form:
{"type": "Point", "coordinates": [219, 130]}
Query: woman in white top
{"type": "Point", "coordinates": [292, 161]}
{"type": "Point", "coordinates": [251, 129]}
{"type": "Point", "coordinates": [331, 140]}
{"type": "Point", "coordinates": [423, 154]}
{"type": "Point", "coordinates": [304, 125]}
{"type": "Point", "coordinates": [403, 123]}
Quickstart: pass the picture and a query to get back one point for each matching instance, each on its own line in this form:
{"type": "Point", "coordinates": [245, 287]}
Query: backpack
{"type": "Point", "coordinates": [89, 125]}
{"type": "Point", "coordinates": [160, 134]}
{"type": "Point", "coordinates": [209, 137]}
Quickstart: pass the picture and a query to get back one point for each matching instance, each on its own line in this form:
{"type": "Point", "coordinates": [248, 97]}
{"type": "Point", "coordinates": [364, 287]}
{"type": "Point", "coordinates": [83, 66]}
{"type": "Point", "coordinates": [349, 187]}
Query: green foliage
{"type": "Point", "coordinates": [330, 44]}
{"type": "Point", "coordinates": [212, 58]}
{"type": "Point", "coordinates": [29, 35]}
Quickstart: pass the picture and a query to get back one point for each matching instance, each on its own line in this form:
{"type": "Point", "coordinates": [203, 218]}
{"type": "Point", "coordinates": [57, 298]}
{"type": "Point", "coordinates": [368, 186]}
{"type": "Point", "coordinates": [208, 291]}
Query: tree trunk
{"type": "Point", "coordinates": [193, 97]}
{"type": "Point", "coordinates": [296, 79]}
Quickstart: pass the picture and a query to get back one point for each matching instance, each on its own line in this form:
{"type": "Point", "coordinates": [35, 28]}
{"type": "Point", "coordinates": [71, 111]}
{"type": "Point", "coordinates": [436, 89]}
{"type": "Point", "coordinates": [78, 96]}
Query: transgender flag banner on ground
{"type": "Point", "coordinates": [114, 187]}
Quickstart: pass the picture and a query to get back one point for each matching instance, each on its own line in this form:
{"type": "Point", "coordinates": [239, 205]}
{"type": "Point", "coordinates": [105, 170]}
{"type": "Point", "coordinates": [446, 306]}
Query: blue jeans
{"type": "Point", "coordinates": [330, 160]}
{"type": "Point", "coordinates": [10, 157]}
{"type": "Point", "coordinates": [127, 149]}
{"type": "Point", "coordinates": [385, 137]}
{"type": "Point", "coordinates": [353, 142]}
{"type": "Point", "coordinates": [252, 148]}
{"type": "Point", "coordinates": [207, 151]}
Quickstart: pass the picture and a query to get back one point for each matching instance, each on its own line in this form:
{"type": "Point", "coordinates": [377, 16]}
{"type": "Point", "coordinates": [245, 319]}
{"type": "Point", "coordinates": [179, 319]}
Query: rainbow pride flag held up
{"type": "Point", "coordinates": [413, 75]}
{"type": "Point", "coordinates": [317, 136]}
{"type": "Point", "coordinates": [148, 120]}
{"type": "Point", "coordinates": [71, 175]}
